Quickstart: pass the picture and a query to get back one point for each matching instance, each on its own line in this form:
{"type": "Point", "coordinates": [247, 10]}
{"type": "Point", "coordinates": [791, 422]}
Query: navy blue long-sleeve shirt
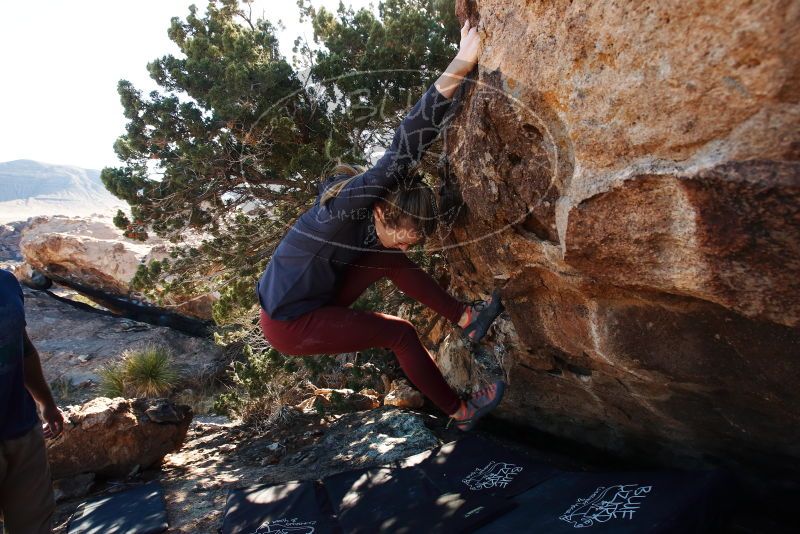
{"type": "Point", "coordinates": [17, 409]}
{"type": "Point", "coordinates": [304, 270]}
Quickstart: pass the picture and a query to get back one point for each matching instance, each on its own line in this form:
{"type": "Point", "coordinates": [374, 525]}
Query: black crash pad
{"type": "Point", "coordinates": [620, 503]}
{"type": "Point", "coordinates": [475, 485]}
{"type": "Point", "coordinates": [476, 466]}
{"type": "Point", "coordinates": [140, 510]}
{"type": "Point", "coordinates": [294, 507]}
{"type": "Point", "coordinates": [400, 500]}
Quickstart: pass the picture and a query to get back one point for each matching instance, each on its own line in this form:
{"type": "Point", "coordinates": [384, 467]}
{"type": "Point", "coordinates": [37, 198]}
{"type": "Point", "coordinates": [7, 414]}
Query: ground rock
{"type": "Point", "coordinates": [366, 438]}
{"type": "Point", "coordinates": [338, 401]}
{"type": "Point", "coordinates": [112, 437]}
{"type": "Point", "coordinates": [10, 235]}
{"type": "Point", "coordinates": [403, 395]}
{"type": "Point", "coordinates": [31, 277]}
{"type": "Point", "coordinates": [73, 487]}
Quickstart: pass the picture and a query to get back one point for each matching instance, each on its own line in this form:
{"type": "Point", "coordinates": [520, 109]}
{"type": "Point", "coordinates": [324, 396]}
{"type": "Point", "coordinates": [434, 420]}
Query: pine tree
{"type": "Point", "coordinates": [234, 143]}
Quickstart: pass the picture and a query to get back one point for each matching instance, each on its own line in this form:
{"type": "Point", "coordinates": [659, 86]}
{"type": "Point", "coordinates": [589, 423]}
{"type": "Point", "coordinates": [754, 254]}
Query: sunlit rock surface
{"type": "Point", "coordinates": [114, 436]}
{"type": "Point", "coordinates": [93, 252]}
{"type": "Point", "coordinates": [631, 175]}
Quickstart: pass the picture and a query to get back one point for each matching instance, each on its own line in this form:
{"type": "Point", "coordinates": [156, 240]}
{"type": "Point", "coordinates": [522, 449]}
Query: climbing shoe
{"type": "Point", "coordinates": [481, 316]}
{"type": "Point", "coordinates": [479, 404]}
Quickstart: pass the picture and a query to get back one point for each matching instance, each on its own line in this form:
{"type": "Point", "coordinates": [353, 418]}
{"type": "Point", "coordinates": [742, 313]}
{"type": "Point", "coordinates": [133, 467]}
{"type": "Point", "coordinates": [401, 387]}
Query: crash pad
{"type": "Point", "coordinates": [296, 507]}
{"type": "Point", "coordinates": [646, 502]}
{"type": "Point", "coordinates": [404, 500]}
{"type": "Point", "coordinates": [140, 510]}
{"type": "Point", "coordinates": [478, 466]}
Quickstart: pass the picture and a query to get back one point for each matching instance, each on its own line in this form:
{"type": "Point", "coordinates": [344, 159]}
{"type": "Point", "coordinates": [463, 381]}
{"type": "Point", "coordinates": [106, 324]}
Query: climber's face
{"type": "Point", "coordinates": [400, 236]}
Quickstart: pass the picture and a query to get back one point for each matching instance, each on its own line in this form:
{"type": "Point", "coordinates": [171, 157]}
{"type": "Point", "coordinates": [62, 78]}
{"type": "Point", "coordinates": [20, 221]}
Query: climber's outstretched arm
{"type": "Point", "coordinates": [462, 64]}
{"type": "Point", "coordinates": [417, 131]}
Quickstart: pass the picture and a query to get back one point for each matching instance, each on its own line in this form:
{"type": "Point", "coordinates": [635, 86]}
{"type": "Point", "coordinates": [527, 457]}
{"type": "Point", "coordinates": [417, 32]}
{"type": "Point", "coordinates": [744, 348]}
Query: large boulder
{"type": "Point", "coordinates": [92, 252]}
{"type": "Point", "coordinates": [112, 437]}
{"type": "Point", "coordinates": [89, 251]}
{"type": "Point", "coordinates": [631, 175]}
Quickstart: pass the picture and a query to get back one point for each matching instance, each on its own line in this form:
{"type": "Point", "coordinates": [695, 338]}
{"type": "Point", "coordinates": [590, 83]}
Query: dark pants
{"type": "Point", "coordinates": [26, 491]}
{"type": "Point", "coordinates": [336, 328]}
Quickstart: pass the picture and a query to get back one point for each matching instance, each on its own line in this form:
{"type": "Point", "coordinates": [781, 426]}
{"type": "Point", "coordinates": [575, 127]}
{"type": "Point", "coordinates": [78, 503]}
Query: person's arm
{"type": "Point", "coordinates": [462, 64]}
{"type": "Point", "coordinates": [40, 391]}
{"type": "Point", "coordinates": [417, 131]}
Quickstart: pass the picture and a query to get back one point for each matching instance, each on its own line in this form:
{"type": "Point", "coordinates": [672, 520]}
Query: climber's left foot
{"type": "Point", "coordinates": [479, 404]}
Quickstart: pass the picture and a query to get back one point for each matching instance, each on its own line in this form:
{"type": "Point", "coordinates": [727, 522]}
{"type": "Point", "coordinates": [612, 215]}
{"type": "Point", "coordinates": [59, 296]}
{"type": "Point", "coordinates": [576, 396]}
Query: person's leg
{"type": "Point", "coordinates": [337, 329]}
{"type": "Point", "coordinates": [3, 468]}
{"type": "Point", "coordinates": [26, 491]}
{"type": "Point", "coordinates": [405, 274]}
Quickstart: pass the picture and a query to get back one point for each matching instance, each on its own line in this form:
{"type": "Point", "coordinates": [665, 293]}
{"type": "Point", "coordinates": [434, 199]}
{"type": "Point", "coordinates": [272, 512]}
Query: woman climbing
{"type": "Point", "coordinates": [355, 234]}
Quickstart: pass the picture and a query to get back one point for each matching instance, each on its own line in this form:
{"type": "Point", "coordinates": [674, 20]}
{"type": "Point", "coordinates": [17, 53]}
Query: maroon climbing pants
{"type": "Point", "coordinates": [336, 328]}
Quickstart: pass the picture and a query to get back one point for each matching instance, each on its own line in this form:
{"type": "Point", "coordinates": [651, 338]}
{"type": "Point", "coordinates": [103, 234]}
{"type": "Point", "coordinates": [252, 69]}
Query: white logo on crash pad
{"type": "Point", "coordinates": [606, 503]}
{"type": "Point", "coordinates": [493, 475]}
{"type": "Point", "coordinates": [286, 526]}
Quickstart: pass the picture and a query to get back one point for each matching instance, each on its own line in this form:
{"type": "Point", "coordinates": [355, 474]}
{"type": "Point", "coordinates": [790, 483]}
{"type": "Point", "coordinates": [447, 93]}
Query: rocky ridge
{"type": "Point", "coordinates": [32, 188]}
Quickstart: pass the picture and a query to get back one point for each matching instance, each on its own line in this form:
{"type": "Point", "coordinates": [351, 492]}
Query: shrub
{"type": "Point", "coordinates": [265, 383]}
{"type": "Point", "coordinates": [112, 381]}
{"type": "Point", "coordinates": [146, 372]}
{"type": "Point", "coordinates": [121, 220]}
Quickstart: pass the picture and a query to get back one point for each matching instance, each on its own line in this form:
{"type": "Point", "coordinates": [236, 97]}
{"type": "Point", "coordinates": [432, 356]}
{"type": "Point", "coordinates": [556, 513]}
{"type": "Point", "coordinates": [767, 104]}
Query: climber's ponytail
{"type": "Point", "coordinates": [342, 168]}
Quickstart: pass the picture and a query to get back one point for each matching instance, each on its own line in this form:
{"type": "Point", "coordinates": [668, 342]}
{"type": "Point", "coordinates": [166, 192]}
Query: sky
{"type": "Point", "coordinates": [60, 61]}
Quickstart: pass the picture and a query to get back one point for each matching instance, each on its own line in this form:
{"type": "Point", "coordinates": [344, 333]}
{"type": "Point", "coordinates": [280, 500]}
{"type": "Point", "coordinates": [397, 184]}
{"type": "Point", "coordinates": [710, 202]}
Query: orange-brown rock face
{"type": "Point", "coordinates": [631, 173]}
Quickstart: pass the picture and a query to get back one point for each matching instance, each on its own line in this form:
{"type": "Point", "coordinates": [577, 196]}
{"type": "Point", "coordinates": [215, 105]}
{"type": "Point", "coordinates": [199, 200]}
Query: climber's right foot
{"type": "Point", "coordinates": [481, 316]}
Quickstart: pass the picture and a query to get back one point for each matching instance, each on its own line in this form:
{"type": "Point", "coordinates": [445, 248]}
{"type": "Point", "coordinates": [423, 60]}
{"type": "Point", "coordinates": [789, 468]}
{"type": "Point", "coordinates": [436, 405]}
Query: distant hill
{"type": "Point", "coordinates": [29, 188]}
